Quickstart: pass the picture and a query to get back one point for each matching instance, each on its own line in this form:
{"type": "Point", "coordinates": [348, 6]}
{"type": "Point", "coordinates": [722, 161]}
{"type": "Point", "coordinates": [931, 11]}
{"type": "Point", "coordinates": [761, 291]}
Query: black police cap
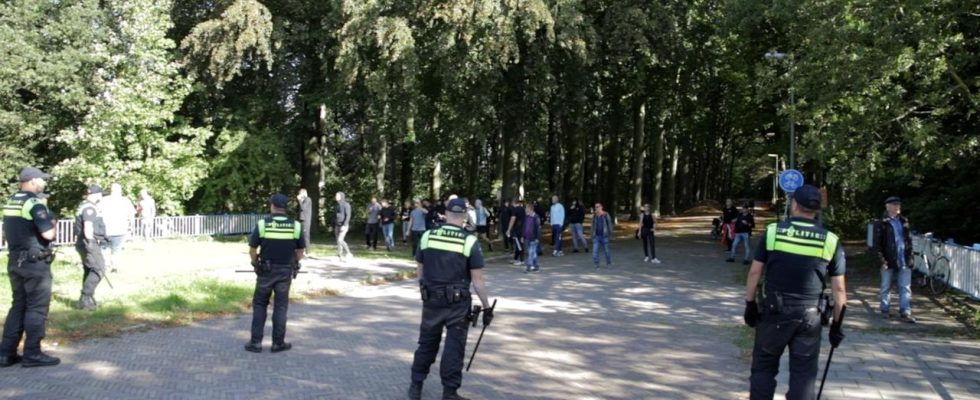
{"type": "Point", "coordinates": [808, 196]}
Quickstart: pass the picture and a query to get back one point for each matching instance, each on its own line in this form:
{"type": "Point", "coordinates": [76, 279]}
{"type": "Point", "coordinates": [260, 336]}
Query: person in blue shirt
{"type": "Point", "coordinates": [893, 245]}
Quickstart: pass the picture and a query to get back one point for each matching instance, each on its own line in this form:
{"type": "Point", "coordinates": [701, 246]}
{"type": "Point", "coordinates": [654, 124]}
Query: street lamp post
{"type": "Point", "coordinates": [792, 102]}
{"type": "Point", "coordinates": [775, 55]}
{"type": "Point", "coordinates": [775, 177]}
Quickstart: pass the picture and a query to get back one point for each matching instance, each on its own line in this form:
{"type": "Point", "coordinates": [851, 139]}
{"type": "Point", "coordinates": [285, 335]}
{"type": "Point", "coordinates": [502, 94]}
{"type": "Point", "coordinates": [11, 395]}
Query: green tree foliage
{"type": "Point", "coordinates": [667, 102]}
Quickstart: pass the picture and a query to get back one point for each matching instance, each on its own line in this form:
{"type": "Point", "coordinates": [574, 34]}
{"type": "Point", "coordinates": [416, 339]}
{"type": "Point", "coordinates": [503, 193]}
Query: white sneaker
{"type": "Point", "coordinates": [554, 253]}
{"type": "Point", "coordinates": [655, 261]}
{"type": "Point", "coordinates": [645, 259]}
{"type": "Point", "coordinates": [517, 263]}
{"type": "Point", "coordinates": [561, 254]}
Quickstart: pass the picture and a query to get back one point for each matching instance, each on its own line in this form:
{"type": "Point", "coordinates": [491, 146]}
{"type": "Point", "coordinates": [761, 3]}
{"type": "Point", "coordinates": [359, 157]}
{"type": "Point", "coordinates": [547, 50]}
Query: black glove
{"type": "Point", "coordinates": [836, 335]}
{"type": "Point", "coordinates": [296, 268]}
{"type": "Point", "coordinates": [255, 266]}
{"type": "Point", "coordinates": [751, 313]}
{"type": "Point", "coordinates": [487, 316]}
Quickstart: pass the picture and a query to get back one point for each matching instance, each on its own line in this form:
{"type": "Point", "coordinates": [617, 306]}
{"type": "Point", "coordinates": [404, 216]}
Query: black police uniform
{"type": "Point", "coordinates": [29, 270]}
{"type": "Point", "coordinates": [93, 262]}
{"type": "Point", "coordinates": [447, 255]}
{"type": "Point", "coordinates": [799, 256]}
{"type": "Point", "coordinates": [278, 238]}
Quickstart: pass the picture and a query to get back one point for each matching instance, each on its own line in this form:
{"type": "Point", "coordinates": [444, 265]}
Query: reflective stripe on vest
{"type": "Point", "coordinates": [801, 242]}
{"type": "Point", "coordinates": [278, 231]}
{"type": "Point", "coordinates": [461, 245]}
{"type": "Point", "coordinates": [20, 208]}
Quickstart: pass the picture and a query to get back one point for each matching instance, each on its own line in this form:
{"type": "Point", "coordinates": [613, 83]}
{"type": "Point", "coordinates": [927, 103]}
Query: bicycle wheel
{"type": "Point", "coordinates": [939, 276]}
{"type": "Point", "coordinates": [919, 279]}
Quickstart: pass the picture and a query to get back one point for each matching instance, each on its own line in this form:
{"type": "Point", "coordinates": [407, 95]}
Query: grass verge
{"type": "Point", "coordinates": [171, 302]}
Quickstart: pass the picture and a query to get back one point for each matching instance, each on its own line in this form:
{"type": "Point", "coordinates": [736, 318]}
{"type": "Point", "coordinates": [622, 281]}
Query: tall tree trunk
{"type": "Point", "coordinates": [658, 169]}
{"type": "Point", "coordinates": [670, 196]}
{"type": "Point", "coordinates": [313, 150]}
{"type": "Point", "coordinates": [408, 155]}
{"type": "Point", "coordinates": [639, 156]}
{"type": "Point", "coordinates": [612, 157]}
{"type": "Point", "coordinates": [382, 165]}
{"type": "Point", "coordinates": [436, 178]}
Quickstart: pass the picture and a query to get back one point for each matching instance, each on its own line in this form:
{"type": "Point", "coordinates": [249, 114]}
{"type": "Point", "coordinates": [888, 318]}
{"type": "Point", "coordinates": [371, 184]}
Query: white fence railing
{"type": "Point", "coordinates": [170, 227]}
{"type": "Point", "coordinates": [964, 264]}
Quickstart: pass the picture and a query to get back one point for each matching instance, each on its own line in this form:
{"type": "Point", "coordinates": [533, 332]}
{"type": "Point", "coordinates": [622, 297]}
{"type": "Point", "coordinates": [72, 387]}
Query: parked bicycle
{"type": "Point", "coordinates": [935, 273]}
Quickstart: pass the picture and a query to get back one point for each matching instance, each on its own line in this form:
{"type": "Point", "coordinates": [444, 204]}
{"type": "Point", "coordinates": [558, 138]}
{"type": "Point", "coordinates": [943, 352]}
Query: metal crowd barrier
{"type": "Point", "coordinates": [170, 227]}
{"type": "Point", "coordinates": [964, 264]}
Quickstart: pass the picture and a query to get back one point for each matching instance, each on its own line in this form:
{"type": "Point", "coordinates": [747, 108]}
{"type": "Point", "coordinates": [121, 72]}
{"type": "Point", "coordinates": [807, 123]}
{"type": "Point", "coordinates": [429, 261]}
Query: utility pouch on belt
{"type": "Point", "coordinates": [774, 303]}
{"type": "Point", "coordinates": [425, 293]}
{"type": "Point", "coordinates": [456, 294]}
{"type": "Point", "coordinates": [826, 308]}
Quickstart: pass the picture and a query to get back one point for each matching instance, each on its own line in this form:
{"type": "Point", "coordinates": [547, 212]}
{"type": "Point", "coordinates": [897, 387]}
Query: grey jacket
{"type": "Point", "coordinates": [343, 214]}
{"type": "Point", "coordinates": [607, 220]}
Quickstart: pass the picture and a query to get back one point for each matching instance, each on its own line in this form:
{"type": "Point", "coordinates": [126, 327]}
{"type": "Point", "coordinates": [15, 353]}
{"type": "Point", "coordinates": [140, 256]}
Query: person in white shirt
{"type": "Point", "coordinates": [147, 210]}
{"type": "Point", "coordinates": [557, 217]}
{"type": "Point", "coordinates": [117, 213]}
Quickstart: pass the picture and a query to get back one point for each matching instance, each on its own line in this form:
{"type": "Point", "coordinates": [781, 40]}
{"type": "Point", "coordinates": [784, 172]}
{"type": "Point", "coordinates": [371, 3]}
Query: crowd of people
{"type": "Point", "coordinates": [516, 227]}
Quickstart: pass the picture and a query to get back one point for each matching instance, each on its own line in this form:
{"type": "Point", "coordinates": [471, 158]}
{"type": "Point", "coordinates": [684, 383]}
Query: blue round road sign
{"type": "Point", "coordinates": [790, 180]}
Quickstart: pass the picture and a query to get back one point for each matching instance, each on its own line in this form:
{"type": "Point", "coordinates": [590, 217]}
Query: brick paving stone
{"type": "Point", "coordinates": [633, 331]}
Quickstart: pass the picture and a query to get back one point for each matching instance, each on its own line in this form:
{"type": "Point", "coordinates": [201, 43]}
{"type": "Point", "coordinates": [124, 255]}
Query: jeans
{"type": "Point", "coordinates": [389, 232]}
{"type": "Point", "coordinates": [904, 284]}
{"type": "Point", "coordinates": [799, 328]}
{"type": "Point", "coordinates": [406, 231]}
{"type": "Point", "coordinates": [603, 243]}
{"type": "Point", "coordinates": [342, 249]}
{"type": "Point", "coordinates": [278, 282]}
{"type": "Point", "coordinates": [744, 239]}
{"type": "Point", "coordinates": [31, 284]}
{"type": "Point", "coordinates": [532, 253]}
{"type": "Point", "coordinates": [556, 231]}
{"type": "Point", "coordinates": [578, 236]}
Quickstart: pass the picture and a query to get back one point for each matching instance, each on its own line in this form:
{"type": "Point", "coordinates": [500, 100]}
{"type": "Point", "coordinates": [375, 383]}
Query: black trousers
{"type": "Point", "coordinates": [435, 318]}
{"type": "Point", "coordinates": [307, 226]}
{"type": "Point", "coordinates": [518, 244]}
{"type": "Point", "coordinates": [649, 243]}
{"type": "Point", "coordinates": [371, 233]}
{"type": "Point", "coordinates": [93, 265]}
{"type": "Point", "coordinates": [278, 282]}
{"type": "Point", "coordinates": [797, 327]}
{"type": "Point", "coordinates": [416, 238]}
{"type": "Point", "coordinates": [31, 284]}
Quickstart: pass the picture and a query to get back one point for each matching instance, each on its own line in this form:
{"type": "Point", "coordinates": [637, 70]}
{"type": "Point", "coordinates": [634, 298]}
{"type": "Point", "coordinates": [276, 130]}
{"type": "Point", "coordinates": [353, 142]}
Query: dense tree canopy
{"type": "Point", "coordinates": [214, 104]}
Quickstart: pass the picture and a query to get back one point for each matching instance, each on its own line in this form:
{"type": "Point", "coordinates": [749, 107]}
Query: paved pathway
{"type": "Point", "coordinates": [634, 331]}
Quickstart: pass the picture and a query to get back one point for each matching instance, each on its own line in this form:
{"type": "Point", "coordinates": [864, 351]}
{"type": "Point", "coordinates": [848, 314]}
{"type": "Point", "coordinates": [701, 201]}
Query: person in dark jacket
{"type": "Point", "coordinates": [893, 245]}
{"type": "Point", "coordinates": [514, 228]}
{"type": "Point", "coordinates": [531, 233]}
{"type": "Point", "coordinates": [645, 232]}
{"type": "Point", "coordinates": [576, 217]}
{"type": "Point", "coordinates": [744, 223]}
{"type": "Point", "coordinates": [728, 215]}
{"type": "Point", "coordinates": [504, 212]}
{"type": "Point", "coordinates": [342, 219]}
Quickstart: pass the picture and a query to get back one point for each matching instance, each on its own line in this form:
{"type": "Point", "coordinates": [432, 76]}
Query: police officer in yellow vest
{"type": "Point", "coordinates": [449, 261]}
{"type": "Point", "coordinates": [29, 228]}
{"type": "Point", "coordinates": [276, 264]}
{"type": "Point", "coordinates": [797, 257]}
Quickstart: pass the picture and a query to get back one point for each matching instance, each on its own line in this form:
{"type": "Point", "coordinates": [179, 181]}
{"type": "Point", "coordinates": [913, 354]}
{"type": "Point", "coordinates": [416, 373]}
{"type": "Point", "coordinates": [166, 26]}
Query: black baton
{"type": "Point", "coordinates": [830, 356]}
{"type": "Point", "coordinates": [492, 306]}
